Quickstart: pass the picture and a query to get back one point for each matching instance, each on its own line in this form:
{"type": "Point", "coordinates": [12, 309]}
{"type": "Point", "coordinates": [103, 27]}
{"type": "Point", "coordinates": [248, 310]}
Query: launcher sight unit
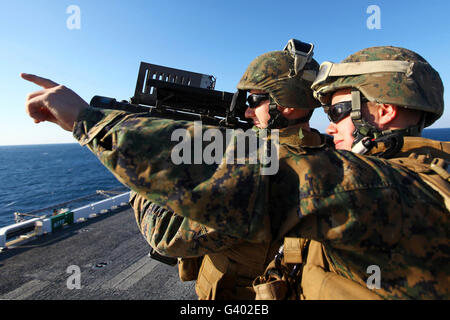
{"type": "Point", "coordinates": [181, 95]}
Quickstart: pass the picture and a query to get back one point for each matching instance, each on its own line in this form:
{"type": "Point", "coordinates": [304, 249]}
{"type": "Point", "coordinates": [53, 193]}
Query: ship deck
{"type": "Point", "coordinates": [111, 255]}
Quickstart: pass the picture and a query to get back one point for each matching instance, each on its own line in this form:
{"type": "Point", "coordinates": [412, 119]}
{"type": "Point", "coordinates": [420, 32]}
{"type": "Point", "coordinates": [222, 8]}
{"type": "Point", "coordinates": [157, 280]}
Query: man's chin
{"type": "Point", "coordinates": [341, 145]}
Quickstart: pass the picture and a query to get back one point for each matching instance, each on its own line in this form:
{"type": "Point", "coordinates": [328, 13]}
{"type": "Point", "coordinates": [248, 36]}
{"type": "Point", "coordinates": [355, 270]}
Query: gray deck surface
{"type": "Point", "coordinates": [111, 254]}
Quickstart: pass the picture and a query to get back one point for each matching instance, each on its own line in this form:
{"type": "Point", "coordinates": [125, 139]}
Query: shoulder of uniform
{"type": "Point", "coordinates": [423, 146]}
{"type": "Point", "coordinates": [299, 138]}
{"type": "Point", "coordinates": [423, 155]}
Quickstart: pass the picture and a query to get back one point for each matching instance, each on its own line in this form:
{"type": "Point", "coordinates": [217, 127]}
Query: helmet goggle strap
{"type": "Point", "coordinates": [302, 53]}
{"type": "Point", "coordinates": [362, 127]}
{"type": "Point", "coordinates": [329, 70]}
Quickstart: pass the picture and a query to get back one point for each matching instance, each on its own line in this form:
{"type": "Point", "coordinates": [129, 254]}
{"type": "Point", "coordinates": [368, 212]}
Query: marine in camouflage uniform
{"type": "Point", "coordinates": [400, 226]}
{"type": "Point", "coordinates": [225, 265]}
{"type": "Point", "coordinates": [362, 210]}
{"type": "Point", "coordinates": [357, 210]}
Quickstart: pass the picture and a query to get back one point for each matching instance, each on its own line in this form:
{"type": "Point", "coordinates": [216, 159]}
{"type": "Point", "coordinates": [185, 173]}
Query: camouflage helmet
{"type": "Point", "coordinates": [274, 73]}
{"type": "Point", "coordinates": [388, 75]}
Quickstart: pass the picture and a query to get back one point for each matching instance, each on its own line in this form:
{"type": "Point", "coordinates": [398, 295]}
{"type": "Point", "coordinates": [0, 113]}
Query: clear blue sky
{"type": "Point", "coordinates": [213, 37]}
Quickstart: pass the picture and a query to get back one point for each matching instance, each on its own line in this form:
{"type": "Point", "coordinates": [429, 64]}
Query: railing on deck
{"type": "Point", "coordinates": [27, 230]}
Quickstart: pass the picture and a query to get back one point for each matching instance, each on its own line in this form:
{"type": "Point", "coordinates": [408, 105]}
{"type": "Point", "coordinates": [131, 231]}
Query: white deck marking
{"type": "Point", "coordinates": [25, 290]}
{"type": "Point", "coordinates": [132, 274]}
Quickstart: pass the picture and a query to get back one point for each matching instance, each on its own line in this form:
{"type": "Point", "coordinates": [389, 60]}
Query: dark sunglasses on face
{"type": "Point", "coordinates": [255, 99]}
{"type": "Point", "coordinates": [337, 112]}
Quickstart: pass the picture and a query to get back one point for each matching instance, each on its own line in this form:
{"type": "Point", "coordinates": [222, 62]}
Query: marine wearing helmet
{"type": "Point", "coordinates": [388, 92]}
{"type": "Point", "coordinates": [279, 85]}
{"type": "Point", "coordinates": [360, 211]}
{"type": "Point", "coordinates": [390, 213]}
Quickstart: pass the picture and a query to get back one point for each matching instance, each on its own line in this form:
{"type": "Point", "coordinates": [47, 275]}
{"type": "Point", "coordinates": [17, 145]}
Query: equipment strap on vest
{"type": "Point", "coordinates": [281, 280]}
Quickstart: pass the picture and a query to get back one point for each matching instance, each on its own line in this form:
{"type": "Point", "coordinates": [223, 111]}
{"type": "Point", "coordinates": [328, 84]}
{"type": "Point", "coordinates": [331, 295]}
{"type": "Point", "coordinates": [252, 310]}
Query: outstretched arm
{"type": "Point", "coordinates": [229, 198]}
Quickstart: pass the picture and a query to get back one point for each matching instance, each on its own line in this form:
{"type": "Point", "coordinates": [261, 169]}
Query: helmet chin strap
{"type": "Point", "coordinates": [278, 121]}
{"type": "Point", "coordinates": [363, 129]}
{"type": "Point", "coordinates": [368, 136]}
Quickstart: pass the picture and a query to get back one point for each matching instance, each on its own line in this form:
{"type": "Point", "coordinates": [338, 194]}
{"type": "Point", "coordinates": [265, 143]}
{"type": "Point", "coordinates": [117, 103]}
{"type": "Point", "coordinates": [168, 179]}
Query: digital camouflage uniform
{"type": "Point", "coordinates": [240, 260]}
{"type": "Point", "coordinates": [201, 247]}
{"type": "Point", "coordinates": [416, 253]}
{"type": "Point", "coordinates": [362, 210]}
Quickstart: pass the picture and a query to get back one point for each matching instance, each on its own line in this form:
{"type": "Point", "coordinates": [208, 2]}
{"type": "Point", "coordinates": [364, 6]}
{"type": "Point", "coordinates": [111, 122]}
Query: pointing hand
{"type": "Point", "coordinates": [55, 103]}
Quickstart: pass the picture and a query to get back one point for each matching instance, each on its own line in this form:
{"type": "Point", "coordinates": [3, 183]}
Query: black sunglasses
{"type": "Point", "coordinates": [255, 99]}
{"type": "Point", "coordinates": [337, 112]}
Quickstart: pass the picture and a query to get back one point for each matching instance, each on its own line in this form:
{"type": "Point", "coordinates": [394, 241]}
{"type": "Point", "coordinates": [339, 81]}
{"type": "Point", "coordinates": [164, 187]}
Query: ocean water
{"type": "Point", "coordinates": [39, 176]}
{"type": "Point", "coordinates": [442, 134]}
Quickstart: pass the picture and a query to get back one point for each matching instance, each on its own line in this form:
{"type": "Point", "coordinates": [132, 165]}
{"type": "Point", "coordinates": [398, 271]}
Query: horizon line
{"type": "Point", "coordinates": [36, 144]}
{"type": "Point", "coordinates": [76, 142]}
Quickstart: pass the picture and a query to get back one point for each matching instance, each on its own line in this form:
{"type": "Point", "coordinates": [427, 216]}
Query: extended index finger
{"type": "Point", "coordinates": [43, 82]}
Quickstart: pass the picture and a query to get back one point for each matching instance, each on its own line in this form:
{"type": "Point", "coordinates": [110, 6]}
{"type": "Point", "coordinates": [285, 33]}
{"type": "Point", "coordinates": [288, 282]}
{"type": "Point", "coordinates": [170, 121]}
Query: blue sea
{"type": "Point", "coordinates": [39, 176]}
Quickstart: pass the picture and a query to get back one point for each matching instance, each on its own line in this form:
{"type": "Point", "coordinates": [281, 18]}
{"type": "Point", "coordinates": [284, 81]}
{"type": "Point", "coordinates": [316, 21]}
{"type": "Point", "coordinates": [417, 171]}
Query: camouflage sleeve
{"type": "Point", "coordinates": [352, 204]}
{"type": "Point", "coordinates": [368, 212]}
{"type": "Point", "coordinates": [173, 235]}
{"type": "Point", "coordinates": [229, 198]}
{"type": "Point", "coordinates": [351, 201]}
